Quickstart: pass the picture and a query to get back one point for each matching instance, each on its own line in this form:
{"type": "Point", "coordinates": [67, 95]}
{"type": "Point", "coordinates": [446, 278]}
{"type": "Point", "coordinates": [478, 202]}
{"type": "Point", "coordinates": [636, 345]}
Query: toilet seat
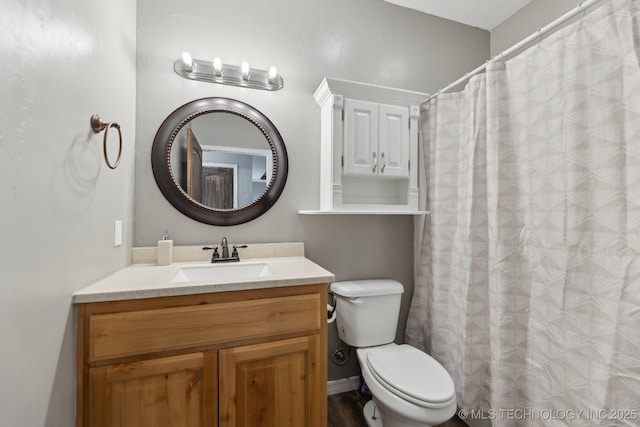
{"type": "Point", "coordinates": [411, 375]}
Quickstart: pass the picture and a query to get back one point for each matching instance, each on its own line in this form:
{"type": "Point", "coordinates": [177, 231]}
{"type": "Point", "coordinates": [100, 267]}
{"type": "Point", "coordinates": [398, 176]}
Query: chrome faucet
{"type": "Point", "coordinates": [225, 248]}
{"type": "Point", "coordinates": [224, 257]}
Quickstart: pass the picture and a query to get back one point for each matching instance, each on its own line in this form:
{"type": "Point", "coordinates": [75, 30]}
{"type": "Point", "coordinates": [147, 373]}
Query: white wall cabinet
{"type": "Point", "coordinates": [376, 140]}
{"type": "Point", "coordinates": [369, 148]}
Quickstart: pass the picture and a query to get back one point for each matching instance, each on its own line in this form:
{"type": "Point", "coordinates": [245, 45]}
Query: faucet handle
{"type": "Point", "coordinates": [215, 255]}
{"type": "Point", "coordinates": [235, 250]}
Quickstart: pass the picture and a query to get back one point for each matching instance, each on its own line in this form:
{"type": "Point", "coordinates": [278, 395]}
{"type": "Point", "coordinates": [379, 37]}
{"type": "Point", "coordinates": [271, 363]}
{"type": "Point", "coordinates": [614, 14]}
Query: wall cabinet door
{"type": "Point", "coordinates": [177, 391]}
{"type": "Point", "coordinates": [393, 141]}
{"type": "Point", "coordinates": [361, 137]}
{"type": "Point", "coordinates": [274, 384]}
{"type": "Point", "coordinates": [376, 139]}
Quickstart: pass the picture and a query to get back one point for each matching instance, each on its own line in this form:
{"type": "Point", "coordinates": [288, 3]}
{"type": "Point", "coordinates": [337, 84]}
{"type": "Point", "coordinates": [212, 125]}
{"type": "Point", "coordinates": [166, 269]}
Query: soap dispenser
{"type": "Point", "coordinates": [165, 249]}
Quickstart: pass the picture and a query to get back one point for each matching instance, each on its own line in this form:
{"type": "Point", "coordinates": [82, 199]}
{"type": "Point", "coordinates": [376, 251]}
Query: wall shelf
{"type": "Point", "coordinates": [362, 212]}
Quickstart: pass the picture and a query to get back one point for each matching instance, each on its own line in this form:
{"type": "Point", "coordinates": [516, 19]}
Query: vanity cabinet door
{"type": "Point", "coordinates": [178, 391]}
{"type": "Point", "coordinates": [273, 384]}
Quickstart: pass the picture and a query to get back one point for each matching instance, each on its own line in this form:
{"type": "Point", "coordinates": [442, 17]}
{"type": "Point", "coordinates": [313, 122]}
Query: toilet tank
{"type": "Point", "coordinates": [367, 311]}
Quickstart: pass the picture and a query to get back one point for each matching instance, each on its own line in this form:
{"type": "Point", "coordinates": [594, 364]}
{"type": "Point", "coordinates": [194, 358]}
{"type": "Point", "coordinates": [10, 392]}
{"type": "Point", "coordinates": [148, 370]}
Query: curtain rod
{"type": "Point", "coordinates": [541, 32]}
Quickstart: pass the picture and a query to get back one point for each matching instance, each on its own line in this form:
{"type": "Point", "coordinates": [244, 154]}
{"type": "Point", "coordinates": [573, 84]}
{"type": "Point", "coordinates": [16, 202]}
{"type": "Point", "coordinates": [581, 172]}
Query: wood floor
{"type": "Point", "coordinates": [345, 410]}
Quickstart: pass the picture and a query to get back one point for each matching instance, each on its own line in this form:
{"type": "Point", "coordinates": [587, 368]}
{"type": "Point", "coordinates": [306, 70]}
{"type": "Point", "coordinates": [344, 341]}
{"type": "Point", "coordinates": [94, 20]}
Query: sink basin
{"type": "Point", "coordinates": [223, 273]}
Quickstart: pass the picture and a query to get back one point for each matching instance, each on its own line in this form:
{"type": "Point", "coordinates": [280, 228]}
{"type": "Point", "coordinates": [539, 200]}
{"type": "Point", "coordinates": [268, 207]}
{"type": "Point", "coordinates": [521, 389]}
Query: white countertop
{"type": "Point", "coordinates": [150, 281]}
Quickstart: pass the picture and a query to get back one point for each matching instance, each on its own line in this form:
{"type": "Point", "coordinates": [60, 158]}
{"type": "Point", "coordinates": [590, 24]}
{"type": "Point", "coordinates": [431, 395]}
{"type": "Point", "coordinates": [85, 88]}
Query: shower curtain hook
{"type": "Point", "coordinates": [539, 32]}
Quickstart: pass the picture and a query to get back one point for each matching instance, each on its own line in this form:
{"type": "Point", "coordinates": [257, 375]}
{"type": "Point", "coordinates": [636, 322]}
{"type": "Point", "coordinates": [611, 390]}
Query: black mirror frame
{"type": "Point", "coordinates": [175, 194]}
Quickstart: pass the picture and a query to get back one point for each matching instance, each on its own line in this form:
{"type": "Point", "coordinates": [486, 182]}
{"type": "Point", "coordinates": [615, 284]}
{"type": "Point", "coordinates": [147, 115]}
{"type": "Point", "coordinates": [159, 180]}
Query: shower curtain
{"type": "Point", "coordinates": [528, 277]}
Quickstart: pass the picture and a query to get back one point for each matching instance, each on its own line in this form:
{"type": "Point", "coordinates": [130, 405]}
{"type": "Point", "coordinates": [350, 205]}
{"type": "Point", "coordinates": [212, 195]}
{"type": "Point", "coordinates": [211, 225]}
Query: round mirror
{"type": "Point", "coordinates": [219, 161]}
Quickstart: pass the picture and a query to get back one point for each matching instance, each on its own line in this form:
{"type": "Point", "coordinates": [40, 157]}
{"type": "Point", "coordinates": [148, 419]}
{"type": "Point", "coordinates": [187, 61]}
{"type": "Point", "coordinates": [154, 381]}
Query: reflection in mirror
{"type": "Point", "coordinates": [219, 161]}
{"type": "Point", "coordinates": [222, 161]}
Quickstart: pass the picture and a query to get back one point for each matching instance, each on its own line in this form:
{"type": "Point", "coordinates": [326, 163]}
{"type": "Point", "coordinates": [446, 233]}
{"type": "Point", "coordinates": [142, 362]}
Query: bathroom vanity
{"type": "Point", "coordinates": [163, 346]}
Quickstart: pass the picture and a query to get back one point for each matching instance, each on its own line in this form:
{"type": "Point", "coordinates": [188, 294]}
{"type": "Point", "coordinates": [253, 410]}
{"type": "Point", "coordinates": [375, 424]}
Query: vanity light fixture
{"type": "Point", "coordinates": [217, 67]}
{"type": "Point", "coordinates": [273, 75]}
{"type": "Point", "coordinates": [187, 62]}
{"type": "Point", "coordinates": [244, 68]}
{"type": "Point", "coordinates": [217, 72]}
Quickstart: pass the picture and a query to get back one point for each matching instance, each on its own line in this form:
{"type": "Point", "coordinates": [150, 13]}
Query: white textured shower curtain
{"type": "Point", "coordinates": [528, 284]}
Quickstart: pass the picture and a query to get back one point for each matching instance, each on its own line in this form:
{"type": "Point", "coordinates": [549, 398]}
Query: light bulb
{"type": "Point", "coordinates": [217, 67]}
{"type": "Point", "coordinates": [187, 62]}
{"type": "Point", "coordinates": [273, 74]}
{"type": "Point", "coordinates": [245, 70]}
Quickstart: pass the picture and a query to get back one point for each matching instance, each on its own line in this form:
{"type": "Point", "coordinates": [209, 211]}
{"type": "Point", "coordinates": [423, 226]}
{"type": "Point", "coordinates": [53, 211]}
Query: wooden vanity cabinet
{"type": "Point", "coordinates": [244, 358]}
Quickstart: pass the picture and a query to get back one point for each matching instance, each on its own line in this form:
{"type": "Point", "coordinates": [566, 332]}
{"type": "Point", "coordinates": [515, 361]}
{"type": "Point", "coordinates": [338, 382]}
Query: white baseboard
{"type": "Point", "coordinates": [342, 385]}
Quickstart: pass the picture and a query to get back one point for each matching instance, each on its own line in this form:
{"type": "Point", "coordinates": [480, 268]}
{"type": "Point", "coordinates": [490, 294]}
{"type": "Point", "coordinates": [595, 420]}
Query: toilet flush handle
{"type": "Point", "coordinates": [356, 300]}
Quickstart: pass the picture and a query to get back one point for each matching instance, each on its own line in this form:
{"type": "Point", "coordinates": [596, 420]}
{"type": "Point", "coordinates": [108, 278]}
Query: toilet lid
{"type": "Point", "coordinates": [412, 375]}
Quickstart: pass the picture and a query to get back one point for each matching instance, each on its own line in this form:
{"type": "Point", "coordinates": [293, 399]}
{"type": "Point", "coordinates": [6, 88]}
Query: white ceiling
{"type": "Point", "coordinates": [485, 14]}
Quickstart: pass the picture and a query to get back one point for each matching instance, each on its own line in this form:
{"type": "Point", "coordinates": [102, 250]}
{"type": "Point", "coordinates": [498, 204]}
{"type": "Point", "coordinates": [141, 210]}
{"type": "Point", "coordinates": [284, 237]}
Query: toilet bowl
{"type": "Point", "coordinates": [409, 387]}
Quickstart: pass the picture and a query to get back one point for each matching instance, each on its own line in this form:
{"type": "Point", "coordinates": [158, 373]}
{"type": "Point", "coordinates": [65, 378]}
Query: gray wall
{"type": "Point", "coordinates": [63, 61]}
{"type": "Point", "coordinates": [365, 40]}
{"type": "Point", "coordinates": [526, 21]}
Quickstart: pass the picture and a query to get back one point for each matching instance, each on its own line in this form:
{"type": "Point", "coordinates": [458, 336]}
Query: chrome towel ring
{"type": "Point", "coordinates": [98, 125]}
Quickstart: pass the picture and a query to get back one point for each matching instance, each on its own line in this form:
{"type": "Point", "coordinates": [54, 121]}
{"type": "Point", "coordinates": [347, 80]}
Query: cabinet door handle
{"type": "Point", "coordinates": [375, 163]}
{"type": "Point", "coordinates": [384, 163]}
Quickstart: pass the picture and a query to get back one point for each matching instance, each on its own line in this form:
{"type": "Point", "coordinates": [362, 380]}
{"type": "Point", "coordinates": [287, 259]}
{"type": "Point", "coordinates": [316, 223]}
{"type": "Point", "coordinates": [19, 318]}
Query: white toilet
{"type": "Point", "coordinates": [409, 387]}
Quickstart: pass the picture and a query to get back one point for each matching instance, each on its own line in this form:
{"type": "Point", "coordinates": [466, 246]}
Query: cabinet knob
{"type": "Point", "coordinates": [384, 163]}
{"type": "Point", "coordinates": [375, 163]}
